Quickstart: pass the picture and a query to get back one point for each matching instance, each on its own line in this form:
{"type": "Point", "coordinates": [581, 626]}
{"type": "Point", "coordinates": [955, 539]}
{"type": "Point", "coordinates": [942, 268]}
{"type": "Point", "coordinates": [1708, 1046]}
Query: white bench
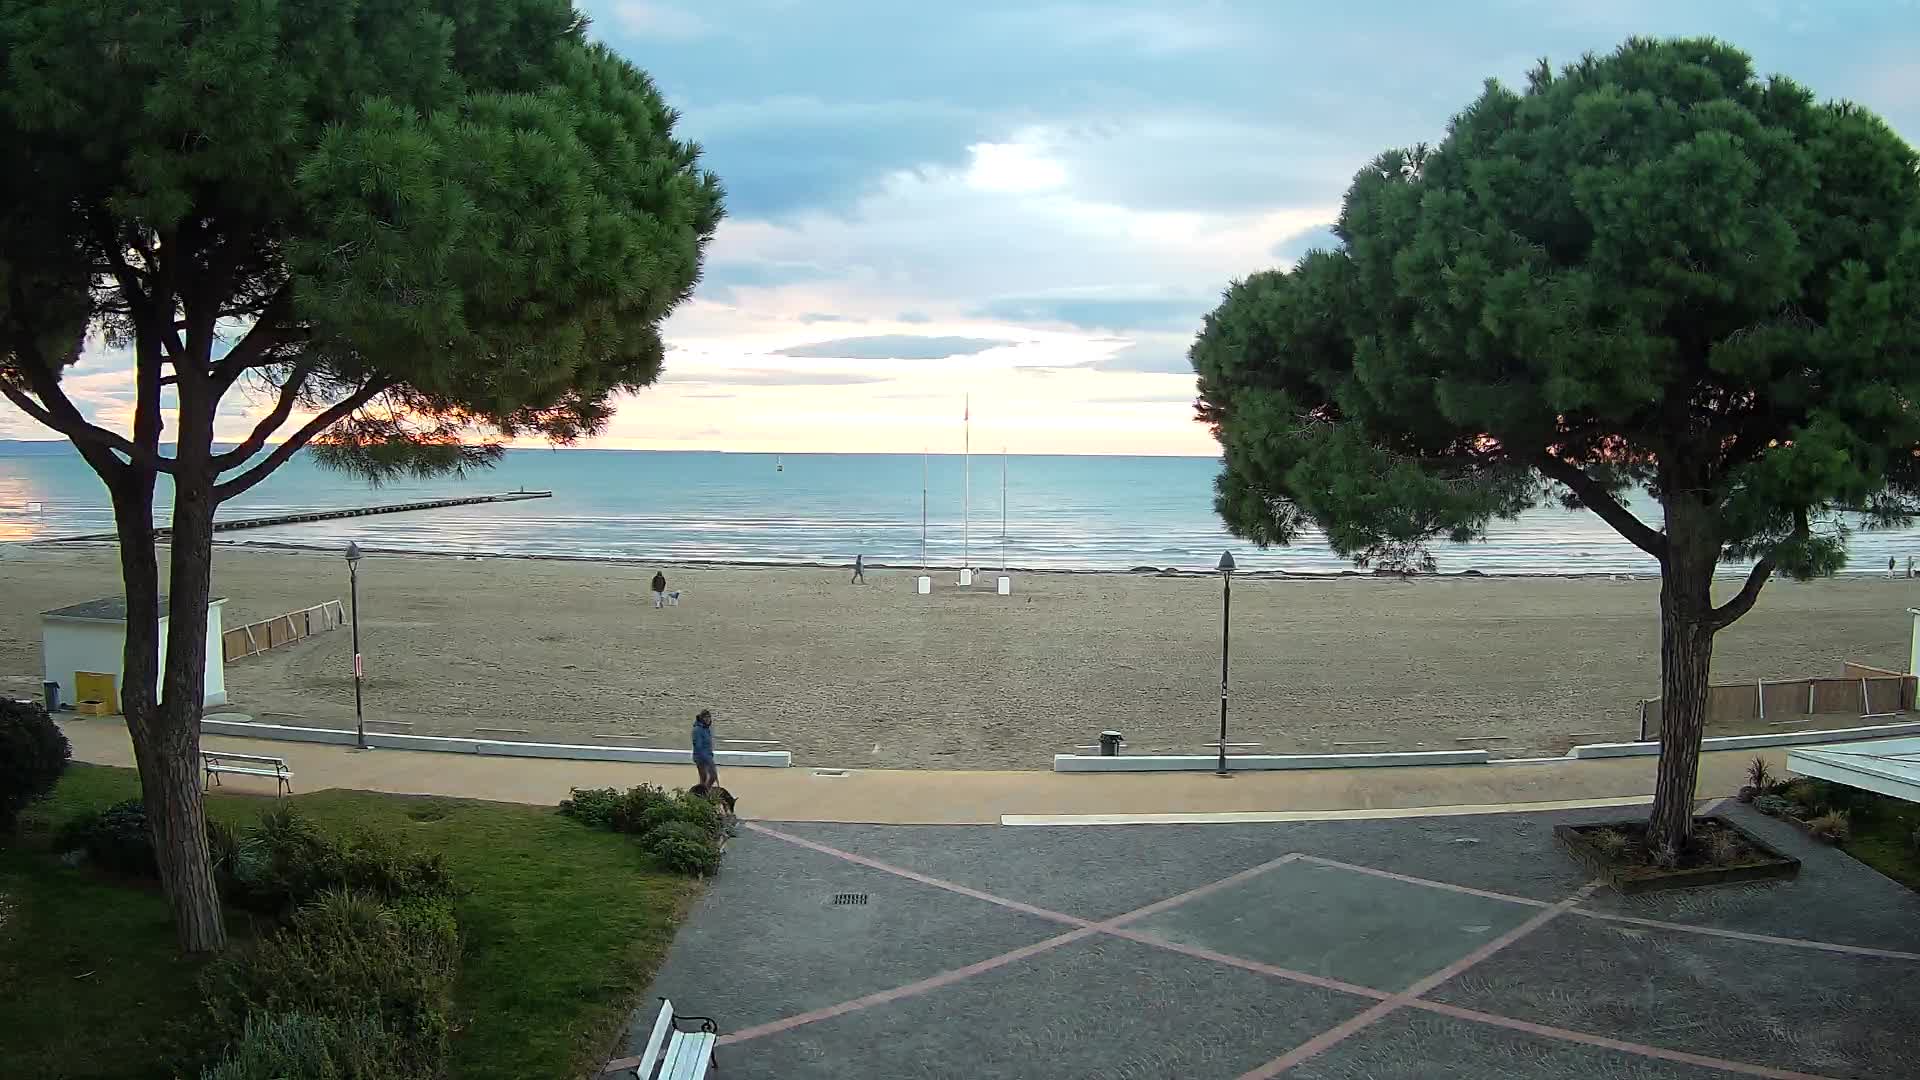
{"type": "Point", "coordinates": [688, 1054]}
{"type": "Point", "coordinates": [216, 762]}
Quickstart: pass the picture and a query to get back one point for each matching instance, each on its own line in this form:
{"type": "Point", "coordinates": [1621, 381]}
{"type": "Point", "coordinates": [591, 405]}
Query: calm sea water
{"type": "Point", "coordinates": [1094, 513]}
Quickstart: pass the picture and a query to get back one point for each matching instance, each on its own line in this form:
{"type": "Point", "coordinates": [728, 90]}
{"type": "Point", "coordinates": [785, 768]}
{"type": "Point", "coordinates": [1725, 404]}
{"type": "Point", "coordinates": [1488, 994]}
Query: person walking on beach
{"type": "Point", "coordinates": [659, 589]}
{"type": "Point", "coordinates": [859, 570]}
{"type": "Point", "coordinates": [703, 750]}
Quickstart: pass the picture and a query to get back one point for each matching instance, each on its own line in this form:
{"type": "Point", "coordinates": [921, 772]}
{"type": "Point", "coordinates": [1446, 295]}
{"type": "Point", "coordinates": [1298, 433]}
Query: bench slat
{"type": "Point", "coordinates": [215, 755]}
{"type": "Point", "coordinates": [687, 1055]}
{"type": "Point", "coordinates": [650, 1055]}
{"type": "Point", "coordinates": [250, 772]}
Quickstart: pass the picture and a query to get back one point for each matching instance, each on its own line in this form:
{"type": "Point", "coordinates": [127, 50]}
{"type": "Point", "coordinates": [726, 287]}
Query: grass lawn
{"type": "Point", "coordinates": [562, 929]}
{"type": "Point", "coordinates": [1884, 839]}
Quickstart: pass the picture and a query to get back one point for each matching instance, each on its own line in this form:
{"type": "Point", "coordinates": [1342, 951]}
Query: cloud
{"type": "Point", "coordinates": [1100, 312]}
{"type": "Point", "coordinates": [1163, 354]}
{"type": "Point", "coordinates": [777, 377]}
{"type": "Point", "coordinates": [1290, 250]}
{"type": "Point", "coordinates": [895, 347]}
{"type": "Point", "coordinates": [822, 316]}
{"type": "Point", "coordinates": [913, 317]}
{"type": "Point", "coordinates": [658, 21]}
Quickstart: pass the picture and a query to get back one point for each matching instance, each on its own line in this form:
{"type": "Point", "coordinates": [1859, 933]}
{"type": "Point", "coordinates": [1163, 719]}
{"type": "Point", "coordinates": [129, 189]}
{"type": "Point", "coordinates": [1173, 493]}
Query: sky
{"type": "Point", "coordinates": [1031, 205]}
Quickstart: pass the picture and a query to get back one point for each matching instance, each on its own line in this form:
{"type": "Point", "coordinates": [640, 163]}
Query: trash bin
{"type": "Point", "coordinates": [1109, 744]}
{"type": "Point", "coordinates": [52, 691]}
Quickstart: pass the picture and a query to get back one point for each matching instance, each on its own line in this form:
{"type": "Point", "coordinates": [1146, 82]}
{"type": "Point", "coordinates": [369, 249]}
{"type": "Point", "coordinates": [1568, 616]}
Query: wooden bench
{"type": "Point", "coordinates": [687, 1054]}
{"type": "Point", "coordinates": [216, 762]}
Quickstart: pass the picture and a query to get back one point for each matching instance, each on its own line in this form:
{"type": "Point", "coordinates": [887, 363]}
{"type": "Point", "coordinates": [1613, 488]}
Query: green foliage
{"type": "Point", "coordinates": [642, 808]}
{"type": "Point", "coordinates": [301, 1046]}
{"type": "Point", "coordinates": [1833, 826]}
{"type": "Point", "coordinates": [348, 955]}
{"type": "Point", "coordinates": [683, 847]}
{"type": "Point", "coordinates": [33, 754]}
{"type": "Point", "coordinates": [286, 860]}
{"type": "Point", "coordinates": [1611, 842]}
{"type": "Point", "coordinates": [1652, 268]}
{"type": "Point", "coordinates": [116, 839]}
{"type": "Point", "coordinates": [1760, 774]}
{"type": "Point", "coordinates": [1775, 805]}
{"type": "Point", "coordinates": [592, 806]}
{"type": "Point", "coordinates": [562, 929]}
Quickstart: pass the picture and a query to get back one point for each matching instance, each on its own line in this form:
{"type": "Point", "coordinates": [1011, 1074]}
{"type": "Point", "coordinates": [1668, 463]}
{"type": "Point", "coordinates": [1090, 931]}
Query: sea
{"type": "Point", "coordinates": [1027, 512]}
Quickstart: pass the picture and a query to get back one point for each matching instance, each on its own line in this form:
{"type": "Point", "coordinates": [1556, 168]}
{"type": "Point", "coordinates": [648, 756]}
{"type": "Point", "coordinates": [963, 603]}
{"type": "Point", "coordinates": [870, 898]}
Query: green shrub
{"type": "Point", "coordinates": [1610, 842]}
{"type": "Point", "coordinates": [285, 861]}
{"type": "Point", "coordinates": [683, 847]}
{"type": "Point", "coordinates": [346, 955]}
{"type": "Point", "coordinates": [300, 1046]}
{"type": "Point", "coordinates": [592, 806]}
{"type": "Point", "coordinates": [115, 839]}
{"type": "Point", "coordinates": [642, 809]}
{"type": "Point", "coordinates": [1806, 792]}
{"type": "Point", "coordinates": [1834, 827]}
{"type": "Point", "coordinates": [1775, 805]}
{"type": "Point", "coordinates": [33, 754]}
{"type": "Point", "coordinates": [1759, 774]}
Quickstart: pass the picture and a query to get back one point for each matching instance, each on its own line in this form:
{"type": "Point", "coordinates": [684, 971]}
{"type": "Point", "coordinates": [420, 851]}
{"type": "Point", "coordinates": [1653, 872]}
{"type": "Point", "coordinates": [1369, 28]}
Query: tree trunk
{"type": "Point", "coordinates": [179, 818]}
{"type": "Point", "coordinates": [1686, 670]}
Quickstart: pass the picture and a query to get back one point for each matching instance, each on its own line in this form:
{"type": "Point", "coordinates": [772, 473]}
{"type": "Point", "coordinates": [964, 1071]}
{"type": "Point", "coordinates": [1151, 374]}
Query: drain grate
{"type": "Point", "coordinates": [850, 899]}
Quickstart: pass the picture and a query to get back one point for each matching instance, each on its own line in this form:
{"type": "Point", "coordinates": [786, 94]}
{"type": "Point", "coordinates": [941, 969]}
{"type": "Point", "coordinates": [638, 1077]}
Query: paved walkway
{"type": "Point", "coordinates": [1464, 947]}
{"type": "Point", "coordinates": [908, 796]}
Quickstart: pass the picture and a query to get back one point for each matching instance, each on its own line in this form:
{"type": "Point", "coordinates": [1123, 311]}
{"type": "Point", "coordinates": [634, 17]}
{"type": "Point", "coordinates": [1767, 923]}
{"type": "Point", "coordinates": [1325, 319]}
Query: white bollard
{"type": "Point", "coordinates": [966, 578]}
{"type": "Point", "coordinates": [1004, 586]}
{"type": "Point", "coordinates": [923, 584]}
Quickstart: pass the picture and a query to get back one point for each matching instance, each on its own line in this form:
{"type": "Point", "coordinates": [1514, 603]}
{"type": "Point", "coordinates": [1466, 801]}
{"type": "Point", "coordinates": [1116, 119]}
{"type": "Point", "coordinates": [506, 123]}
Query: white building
{"type": "Point", "coordinates": [91, 637]}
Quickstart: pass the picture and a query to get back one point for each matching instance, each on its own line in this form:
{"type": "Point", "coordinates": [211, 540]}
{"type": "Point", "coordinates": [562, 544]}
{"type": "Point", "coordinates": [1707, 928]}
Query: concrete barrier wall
{"type": "Point", "coordinates": [774, 759]}
{"type": "Point", "coordinates": [1751, 742]}
{"type": "Point", "coordinates": [1262, 762]}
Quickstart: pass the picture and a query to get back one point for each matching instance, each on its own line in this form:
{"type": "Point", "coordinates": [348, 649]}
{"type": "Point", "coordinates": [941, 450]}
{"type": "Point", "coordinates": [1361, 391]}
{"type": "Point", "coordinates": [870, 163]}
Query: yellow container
{"type": "Point", "coordinates": [94, 686]}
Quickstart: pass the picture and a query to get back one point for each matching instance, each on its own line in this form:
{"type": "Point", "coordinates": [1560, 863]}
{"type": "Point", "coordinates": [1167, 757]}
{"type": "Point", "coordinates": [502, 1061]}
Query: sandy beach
{"type": "Point", "coordinates": [877, 676]}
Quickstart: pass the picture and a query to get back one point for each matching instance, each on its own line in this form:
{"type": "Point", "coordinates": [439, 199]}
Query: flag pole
{"type": "Point", "coordinates": [923, 510]}
{"type": "Point", "coordinates": [1003, 509]}
{"type": "Point", "coordinates": [966, 481]}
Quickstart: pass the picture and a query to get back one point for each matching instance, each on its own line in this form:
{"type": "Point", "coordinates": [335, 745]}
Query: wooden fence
{"type": "Point", "coordinates": [256, 638]}
{"type": "Point", "coordinates": [1861, 691]}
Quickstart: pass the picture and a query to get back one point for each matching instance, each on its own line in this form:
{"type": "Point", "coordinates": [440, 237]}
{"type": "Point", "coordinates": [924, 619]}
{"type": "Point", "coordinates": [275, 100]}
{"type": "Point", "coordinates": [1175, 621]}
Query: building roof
{"type": "Point", "coordinates": [110, 609]}
{"type": "Point", "coordinates": [1887, 766]}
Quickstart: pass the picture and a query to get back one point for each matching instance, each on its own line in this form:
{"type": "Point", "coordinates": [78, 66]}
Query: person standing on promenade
{"type": "Point", "coordinates": [659, 587]}
{"type": "Point", "coordinates": [703, 750]}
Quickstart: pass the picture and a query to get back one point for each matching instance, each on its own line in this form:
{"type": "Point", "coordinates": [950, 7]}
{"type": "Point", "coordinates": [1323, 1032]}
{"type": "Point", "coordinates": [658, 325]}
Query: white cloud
{"type": "Point", "coordinates": [659, 21]}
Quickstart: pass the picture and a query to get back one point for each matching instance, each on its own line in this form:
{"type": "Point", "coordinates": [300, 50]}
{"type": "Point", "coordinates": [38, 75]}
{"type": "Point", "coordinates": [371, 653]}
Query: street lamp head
{"type": "Point", "coordinates": [1226, 562]}
{"type": "Point", "coordinates": [353, 552]}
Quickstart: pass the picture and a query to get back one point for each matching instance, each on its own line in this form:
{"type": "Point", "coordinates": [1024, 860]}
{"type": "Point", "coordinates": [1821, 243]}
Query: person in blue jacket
{"type": "Point", "coordinates": [703, 749]}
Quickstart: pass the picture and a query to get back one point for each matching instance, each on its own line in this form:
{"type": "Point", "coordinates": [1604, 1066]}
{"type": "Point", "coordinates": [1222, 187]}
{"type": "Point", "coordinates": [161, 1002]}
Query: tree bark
{"type": "Point", "coordinates": [175, 809]}
{"type": "Point", "coordinates": [1686, 668]}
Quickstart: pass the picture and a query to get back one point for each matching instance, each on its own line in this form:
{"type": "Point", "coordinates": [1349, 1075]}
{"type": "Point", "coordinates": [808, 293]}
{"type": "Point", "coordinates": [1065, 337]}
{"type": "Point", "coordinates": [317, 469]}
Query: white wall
{"type": "Point", "coordinates": [70, 645]}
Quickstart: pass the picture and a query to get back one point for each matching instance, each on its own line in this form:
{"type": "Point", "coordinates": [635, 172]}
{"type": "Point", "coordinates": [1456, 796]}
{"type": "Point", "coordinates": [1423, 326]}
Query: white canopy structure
{"type": "Point", "coordinates": [1887, 766]}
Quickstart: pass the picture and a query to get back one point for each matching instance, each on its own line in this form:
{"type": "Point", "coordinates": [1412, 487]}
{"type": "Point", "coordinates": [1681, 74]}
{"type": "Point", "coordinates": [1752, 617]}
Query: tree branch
{"type": "Point", "coordinates": [1601, 501]}
{"type": "Point", "coordinates": [265, 333]}
{"type": "Point", "coordinates": [58, 413]}
{"type": "Point", "coordinates": [1728, 613]}
{"type": "Point", "coordinates": [289, 394]}
{"type": "Point", "coordinates": [333, 415]}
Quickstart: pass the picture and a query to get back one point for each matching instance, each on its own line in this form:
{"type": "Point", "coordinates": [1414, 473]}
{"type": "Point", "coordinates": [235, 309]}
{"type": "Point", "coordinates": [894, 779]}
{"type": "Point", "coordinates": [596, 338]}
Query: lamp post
{"type": "Point", "coordinates": [1226, 623]}
{"type": "Point", "coordinates": [353, 587]}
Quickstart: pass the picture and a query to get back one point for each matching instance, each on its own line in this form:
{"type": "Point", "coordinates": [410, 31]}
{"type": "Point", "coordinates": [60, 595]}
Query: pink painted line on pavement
{"type": "Point", "coordinates": [1428, 882]}
{"type": "Point", "coordinates": [1339, 1033]}
{"type": "Point", "coordinates": [1567, 1035]}
{"type": "Point", "coordinates": [947, 978]}
{"type": "Point", "coordinates": [1244, 964]}
{"type": "Point", "coordinates": [1740, 935]}
{"type": "Point", "coordinates": [934, 982]}
{"type": "Point", "coordinates": [912, 875]}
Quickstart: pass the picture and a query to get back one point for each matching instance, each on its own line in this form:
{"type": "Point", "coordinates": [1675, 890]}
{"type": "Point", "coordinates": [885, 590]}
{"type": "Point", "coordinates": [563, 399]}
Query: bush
{"type": "Point", "coordinates": [683, 847]}
{"type": "Point", "coordinates": [285, 861]}
{"type": "Point", "coordinates": [1759, 774]}
{"type": "Point", "coordinates": [115, 839]}
{"type": "Point", "coordinates": [1775, 805]}
{"type": "Point", "coordinates": [592, 806]}
{"type": "Point", "coordinates": [1610, 842]}
{"type": "Point", "coordinates": [1833, 827]}
{"type": "Point", "coordinates": [642, 809]}
{"type": "Point", "coordinates": [300, 1046]}
{"type": "Point", "coordinates": [33, 754]}
{"type": "Point", "coordinates": [1805, 791]}
{"type": "Point", "coordinates": [344, 956]}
